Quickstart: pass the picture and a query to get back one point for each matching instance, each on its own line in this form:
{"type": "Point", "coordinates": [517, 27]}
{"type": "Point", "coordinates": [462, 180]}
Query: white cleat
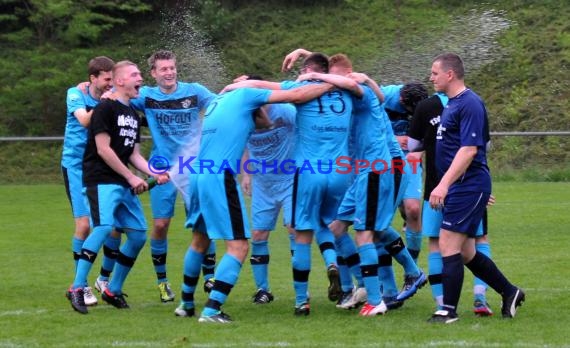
{"type": "Point", "coordinates": [88, 297]}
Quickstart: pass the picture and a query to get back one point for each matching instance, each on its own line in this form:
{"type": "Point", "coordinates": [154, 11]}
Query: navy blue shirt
{"type": "Point", "coordinates": [464, 123]}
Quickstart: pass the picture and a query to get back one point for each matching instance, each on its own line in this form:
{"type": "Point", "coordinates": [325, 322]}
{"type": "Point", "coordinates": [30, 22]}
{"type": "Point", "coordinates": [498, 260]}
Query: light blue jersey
{"type": "Point", "coordinates": [75, 138]}
{"type": "Point", "coordinates": [392, 98]}
{"type": "Point", "coordinates": [371, 133]}
{"type": "Point", "coordinates": [323, 126]}
{"type": "Point", "coordinates": [173, 119]}
{"type": "Point", "coordinates": [275, 145]}
{"type": "Point", "coordinates": [228, 123]}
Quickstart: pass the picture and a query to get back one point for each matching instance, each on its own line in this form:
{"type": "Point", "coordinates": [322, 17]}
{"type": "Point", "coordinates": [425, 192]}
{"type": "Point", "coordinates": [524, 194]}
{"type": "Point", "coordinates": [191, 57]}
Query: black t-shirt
{"type": "Point", "coordinates": [122, 123]}
{"type": "Point", "coordinates": [423, 127]}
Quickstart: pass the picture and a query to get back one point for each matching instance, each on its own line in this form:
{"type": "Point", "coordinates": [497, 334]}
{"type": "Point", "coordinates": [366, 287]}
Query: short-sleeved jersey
{"type": "Point", "coordinates": [323, 126]}
{"type": "Point", "coordinates": [122, 123]}
{"type": "Point", "coordinates": [370, 131]}
{"type": "Point", "coordinates": [173, 119]}
{"type": "Point", "coordinates": [274, 145]}
{"type": "Point", "coordinates": [228, 123]}
{"type": "Point", "coordinates": [423, 127]}
{"type": "Point", "coordinates": [464, 123]}
{"type": "Point", "coordinates": [398, 115]}
{"type": "Point", "coordinates": [75, 138]}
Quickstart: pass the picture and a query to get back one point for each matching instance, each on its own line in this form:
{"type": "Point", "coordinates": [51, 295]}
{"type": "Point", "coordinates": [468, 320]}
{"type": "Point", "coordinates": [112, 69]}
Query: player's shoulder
{"type": "Point", "coordinates": [74, 94]}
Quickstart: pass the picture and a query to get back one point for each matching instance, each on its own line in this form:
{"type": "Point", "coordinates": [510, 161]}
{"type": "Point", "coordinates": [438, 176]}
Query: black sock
{"type": "Point", "coordinates": [452, 280]}
{"type": "Point", "coordinates": [485, 269]}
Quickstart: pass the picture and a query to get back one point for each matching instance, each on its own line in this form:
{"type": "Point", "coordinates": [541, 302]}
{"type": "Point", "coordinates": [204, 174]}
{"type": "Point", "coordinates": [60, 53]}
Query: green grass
{"type": "Point", "coordinates": [529, 242]}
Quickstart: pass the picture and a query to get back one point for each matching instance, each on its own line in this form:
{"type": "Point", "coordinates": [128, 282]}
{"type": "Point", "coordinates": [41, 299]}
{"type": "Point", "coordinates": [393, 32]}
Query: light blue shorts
{"type": "Point", "coordinates": [270, 194]}
{"type": "Point", "coordinates": [115, 205]}
{"type": "Point", "coordinates": [73, 180]}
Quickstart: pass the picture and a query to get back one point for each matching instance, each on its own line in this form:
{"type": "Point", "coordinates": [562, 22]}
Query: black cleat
{"type": "Point", "coordinates": [392, 303]}
{"type": "Point", "coordinates": [262, 297]}
{"type": "Point", "coordinates": [443, 317]}
{"type": "Point", "coordinates": [510, 303]}
{"type": "Point", "coordinates": [77, 300]}
{"type": "Point", "coordinates": [303, 309]}
{"type": "Point", "coordinates": [334, 290]}
{"type": "Point", "coordinates": [117, 301]}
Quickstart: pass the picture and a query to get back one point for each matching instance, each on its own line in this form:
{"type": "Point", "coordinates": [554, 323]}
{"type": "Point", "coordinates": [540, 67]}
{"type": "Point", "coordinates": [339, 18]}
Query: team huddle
{"type": "Point", "coordinates": [329, 113]}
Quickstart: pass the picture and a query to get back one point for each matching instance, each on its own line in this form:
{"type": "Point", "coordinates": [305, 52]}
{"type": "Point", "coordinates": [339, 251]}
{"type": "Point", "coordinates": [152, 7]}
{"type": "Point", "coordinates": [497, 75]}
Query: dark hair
{"type": "Point", "coordinates": [254, 77]}
{"type": "Point", "coordinates": [451, 61]}
{"type": "Point", "coordinates": [413, 93]}
{"type": "Point", "coordinates": [99, 64]}
{"type": "Point", "coordinates": [160, 55]}
{"type": "Point", "coordinates": [318, 62]}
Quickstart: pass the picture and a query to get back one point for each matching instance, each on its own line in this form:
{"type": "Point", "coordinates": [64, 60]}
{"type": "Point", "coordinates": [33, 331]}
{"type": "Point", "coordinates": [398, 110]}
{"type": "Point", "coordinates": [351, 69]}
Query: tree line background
{"type": "Point", "coordinates": [523, 75]}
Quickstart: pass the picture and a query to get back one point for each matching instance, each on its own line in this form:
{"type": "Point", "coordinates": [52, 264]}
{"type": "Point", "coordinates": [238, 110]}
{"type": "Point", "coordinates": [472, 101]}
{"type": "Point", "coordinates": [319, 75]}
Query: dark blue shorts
{"type": "Point", "coordinates": [463, 211]}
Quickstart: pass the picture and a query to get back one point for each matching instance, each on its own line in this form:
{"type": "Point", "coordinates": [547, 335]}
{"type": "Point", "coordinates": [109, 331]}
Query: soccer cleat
{"type": "Point", "coordinates": [303, 309]}
{"type": "Point", "coordinates": [209, 285]}
{"type": "Point", "coordinates": [369, 310]}
{"type": "Point", "coordinates": [183, 311]}
{"type": "Point", "coordinates": [344, 297]}
{"type": "Point", "coordinates": [262, 297]}
{"type": "Point", "coordinates": [219, 317]}
{"type": "Point", "coordinates": [101, 285]}
{"type": "Point", "coordinates": [334, 290]}
{"type": "Point", "coordinates": [358, 298]}
{"type": "Point", "coordinates": [77, 300]}
{"type": "Point", "coordinates": [411, 286]}
{"type": "Point", "coordinates": [117, 301]}
{"type": "Point", "coordinates": [166, 294]}
{"type": "Point", "coordinates": [88, 297]}
{"type": "Point", "coordinates": [444, 317]}
{"type": "Point", "coordinates": [510, 304]}
{"type": "Point", "coordinates": [481, 308]}
{"type": "Point", "coordinates": [392, 303]}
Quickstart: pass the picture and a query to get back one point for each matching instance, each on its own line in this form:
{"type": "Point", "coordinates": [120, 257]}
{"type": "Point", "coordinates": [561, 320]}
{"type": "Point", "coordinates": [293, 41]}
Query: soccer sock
{"type": "Point", "coordinates": [484, 268]}
{"type": "Point", "coordinates": [301, 270]}
{"type": "Point", "coordinates": [344, 274]}
{"type": "Point", "coordinates": [110, 254]}
{"type": "Point", "coordinates": [209, 262]}
{"type": "Point", "coordinates": [369, 271]}
{"type": "Point", "coordinates": [386, 272]}
{"type": "Point", "coordinates": [395, 246]}
{"type": "Point", "coordinates": [452, 280]}
{"type": "Point", "coordinates": [292, 243]}
{"type": "Point", "coordinates": [259, 263]}
{"type": "Point", "coordinates": [158, 251]}
{"type": "Point", "coordinates": [435, 267]}
{"type": "Point", "coordinates": [414, 243]}
{"type": "Point", "coordinates": [346, 247]}
{"type": "Point", "coordinates": [126, 259]}
{"type": "Point", "coordinates": [192, 262]}
{"type": "Point", "coordinates": [76, 246]}
{"type": "Point", "coordinates": [226, 276]}
{"type": "Point", "coordinates": [479, 286]}
{"type": "Point", "coordinates": [89, 253]}
{"type": "Point", "coordinates": [325, 240]}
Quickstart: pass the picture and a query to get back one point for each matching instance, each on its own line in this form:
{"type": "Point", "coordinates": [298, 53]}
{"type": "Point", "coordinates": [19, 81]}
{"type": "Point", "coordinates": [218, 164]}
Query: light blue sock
{"type": "Point", "coordinates": [414, 243]}
{"type": "Point", "coordinates": [301, 270]}
{"type": "Point", "coordinates": [435, 267]}
{"type": "Point", "coordinates": [192, 262]}
{"type": "Point", "coordinates": [325, 241]}
{"type": "Point", "coordinates": [127, 256]}
{"type": "Point", "coordinates": [158, 251]}
{"type": "Point", "coordinates": [386, 272]}
{"type": "Point", "coordinates": [260, 263]}
{"type": "Point", "coordinates": [480, 287]}
{"type": "Point", "coordinates": [227, 273]}
{"type": "Point", "coordinates": [91, 247]}
{"type": "Point", "coordinates": [369, 269]}
{"type": "Point", "coordinates": [110, 254]}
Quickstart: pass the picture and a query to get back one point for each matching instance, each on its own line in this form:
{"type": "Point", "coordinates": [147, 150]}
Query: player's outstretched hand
{"type": "Point", "coordinates": [292, 57]}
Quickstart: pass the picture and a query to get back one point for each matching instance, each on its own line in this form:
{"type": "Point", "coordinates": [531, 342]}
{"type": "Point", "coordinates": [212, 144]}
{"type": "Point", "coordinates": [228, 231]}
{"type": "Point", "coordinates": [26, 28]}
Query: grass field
{"type": "Point", "coordinates": [529, 236]}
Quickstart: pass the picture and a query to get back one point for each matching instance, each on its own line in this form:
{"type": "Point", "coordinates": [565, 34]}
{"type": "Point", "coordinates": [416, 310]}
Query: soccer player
{"type": "Point", "coordinates": [463, 190]}
{"type": "Point", "coordinates": [79, 111]}
{"type": "Point", "coordinates": [113, 143]}
{"type": "Point", "coordinates": [423, 129]}
{"type": "Point", "coordinates": [172, 110]}
{"type": "Point", "coordinates": [216, 203]}
{"type": "Point", "coordinates": [270, 185]}
{"type": "Point", "coordinates": [400, 102]}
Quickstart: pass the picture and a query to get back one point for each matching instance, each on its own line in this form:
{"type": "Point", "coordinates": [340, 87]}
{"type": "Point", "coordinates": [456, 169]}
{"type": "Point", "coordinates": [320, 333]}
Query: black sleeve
{"type": "Point", "coordinates": [101, 118]}
{"type": "Point", "coordinates": [417, 127]}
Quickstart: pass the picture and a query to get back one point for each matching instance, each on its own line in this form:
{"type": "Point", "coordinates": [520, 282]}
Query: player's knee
{"type": "Point", "coordinates": [160, 228]}
{"type": "Point", "coordinates": [412, 208]}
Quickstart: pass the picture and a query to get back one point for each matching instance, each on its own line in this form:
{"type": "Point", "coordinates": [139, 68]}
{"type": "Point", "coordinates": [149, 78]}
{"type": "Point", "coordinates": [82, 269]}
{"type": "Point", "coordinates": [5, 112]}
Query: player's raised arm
{"type": "Point", "coordinates": [292, 57]}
